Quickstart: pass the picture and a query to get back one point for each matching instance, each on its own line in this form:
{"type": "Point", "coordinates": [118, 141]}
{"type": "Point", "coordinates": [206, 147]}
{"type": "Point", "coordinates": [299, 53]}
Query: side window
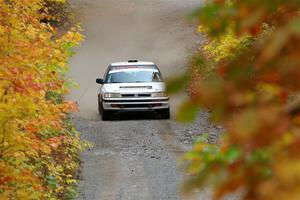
{"type": "Point", "coordinates": [159, 74]}
{"type": "Point", "coordinates": [156, 77]}
{"type": "Point", "coordinates": [105, 74]}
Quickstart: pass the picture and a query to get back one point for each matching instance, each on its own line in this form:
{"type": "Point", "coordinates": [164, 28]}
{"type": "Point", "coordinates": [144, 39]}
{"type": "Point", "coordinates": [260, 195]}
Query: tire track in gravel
{"type": "Point", "coordinates": [129, 164]}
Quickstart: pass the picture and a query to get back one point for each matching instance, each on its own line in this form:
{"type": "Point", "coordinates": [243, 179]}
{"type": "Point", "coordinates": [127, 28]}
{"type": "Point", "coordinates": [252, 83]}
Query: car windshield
{"type": "Point", "coordinates": [133, 76]}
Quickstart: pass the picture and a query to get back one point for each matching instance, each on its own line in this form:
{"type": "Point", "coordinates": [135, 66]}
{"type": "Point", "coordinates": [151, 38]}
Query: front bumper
{"type": "Point", "coordinates": [136, 104]}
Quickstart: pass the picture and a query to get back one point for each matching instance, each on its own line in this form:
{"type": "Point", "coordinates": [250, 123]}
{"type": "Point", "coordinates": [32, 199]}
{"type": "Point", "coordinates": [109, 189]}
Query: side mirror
{"type": "Point", "coordinates": [99, 81]}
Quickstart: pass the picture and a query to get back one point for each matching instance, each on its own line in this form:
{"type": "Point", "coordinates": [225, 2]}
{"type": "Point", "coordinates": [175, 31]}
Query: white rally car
{"type": "Point", "coordinates": [132, 86]}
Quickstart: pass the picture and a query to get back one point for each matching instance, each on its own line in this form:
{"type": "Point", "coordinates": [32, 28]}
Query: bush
{"type": "Point", "coordinates": [246, 75]}
{"type": "Point", "coordinates": [39, 147]}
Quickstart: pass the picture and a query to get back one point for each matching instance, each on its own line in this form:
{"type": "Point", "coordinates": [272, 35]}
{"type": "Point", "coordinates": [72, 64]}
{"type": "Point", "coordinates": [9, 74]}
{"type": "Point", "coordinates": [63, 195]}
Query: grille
{"type": "Point", "coordinates": [127, 95]}
{"type": "Point", "coordinates": [136, 95]}
{"type": "Point", "coordinates": [144, 95]}
{"type": "Point", "coordinates": [133, 87]}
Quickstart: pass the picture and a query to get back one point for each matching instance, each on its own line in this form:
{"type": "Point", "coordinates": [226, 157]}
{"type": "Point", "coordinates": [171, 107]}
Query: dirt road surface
{"type": "Point", "coordinates": [136, 157]}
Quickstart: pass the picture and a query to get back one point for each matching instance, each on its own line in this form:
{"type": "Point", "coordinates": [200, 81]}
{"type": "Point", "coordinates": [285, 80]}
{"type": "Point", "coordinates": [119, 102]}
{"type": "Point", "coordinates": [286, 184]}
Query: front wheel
{"type": "Point", "coordinates": [106, 115]}
{"type": "Point", "coordinates": [100, 107]}
{"type": "Point", "coordinates": [165, 113]}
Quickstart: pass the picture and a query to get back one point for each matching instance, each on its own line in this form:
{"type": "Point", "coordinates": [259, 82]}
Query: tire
{"type": "Point", "coordinates": [106, 115]}
{"type": "Point", "coordinates": [165, 113]}
{"type": "Point", "coordinates": [100, 108]}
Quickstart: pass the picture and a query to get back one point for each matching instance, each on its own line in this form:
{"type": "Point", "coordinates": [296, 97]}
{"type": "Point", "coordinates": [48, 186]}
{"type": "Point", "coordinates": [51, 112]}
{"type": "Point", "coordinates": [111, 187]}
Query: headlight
{"type": "Point", "coordinates": [112, 95]}
{"type": "Point", "coordinates": [159, 94]}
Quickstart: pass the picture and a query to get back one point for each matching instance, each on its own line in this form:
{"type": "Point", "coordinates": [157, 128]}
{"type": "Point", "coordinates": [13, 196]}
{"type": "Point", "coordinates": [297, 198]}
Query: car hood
{"type": "Point", "coordinates": [134, 87]}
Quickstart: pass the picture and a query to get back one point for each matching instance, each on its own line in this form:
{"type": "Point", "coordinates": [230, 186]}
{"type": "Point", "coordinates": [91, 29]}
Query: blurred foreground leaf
{"type": "Point", "coordinates": [187, 112]}
{"type": "Point", "coordinates": [249, 80]}
{"type": "Point", "coordinates": [177, 84]}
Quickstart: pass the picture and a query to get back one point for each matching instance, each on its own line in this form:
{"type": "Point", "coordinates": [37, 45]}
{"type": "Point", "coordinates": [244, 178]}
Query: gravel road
{"type": "Point", "coordinates": [135, 157]}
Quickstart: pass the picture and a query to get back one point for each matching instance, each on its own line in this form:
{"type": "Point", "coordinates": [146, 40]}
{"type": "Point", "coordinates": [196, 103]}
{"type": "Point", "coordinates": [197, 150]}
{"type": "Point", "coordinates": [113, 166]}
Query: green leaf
{"type": "Point", "coordinates": [52, 181]}
{"type": "Point", "coordinates": [232, 154]}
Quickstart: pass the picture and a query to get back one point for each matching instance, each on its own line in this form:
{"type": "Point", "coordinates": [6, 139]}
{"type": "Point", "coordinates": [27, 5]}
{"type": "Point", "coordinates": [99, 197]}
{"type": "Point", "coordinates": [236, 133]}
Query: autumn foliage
{"type": "Point", "coordinates": [38, 145]}
{"type": "Point", "coordinates": [248, 76]}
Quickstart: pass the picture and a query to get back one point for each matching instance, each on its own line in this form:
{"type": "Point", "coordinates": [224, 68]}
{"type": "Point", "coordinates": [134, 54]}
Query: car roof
{"type": "Point", "coordinates": [132, 63]}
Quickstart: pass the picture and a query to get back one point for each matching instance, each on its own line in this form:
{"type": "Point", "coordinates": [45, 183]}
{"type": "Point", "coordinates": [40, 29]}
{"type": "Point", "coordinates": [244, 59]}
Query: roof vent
{"type": "Point", "coordinates": [132, 61]}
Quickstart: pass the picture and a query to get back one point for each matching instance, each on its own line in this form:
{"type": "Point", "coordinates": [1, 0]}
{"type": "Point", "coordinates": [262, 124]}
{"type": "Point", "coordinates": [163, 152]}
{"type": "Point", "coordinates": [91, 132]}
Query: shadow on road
{"type": "Point", "coordinates": [136, 116]}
